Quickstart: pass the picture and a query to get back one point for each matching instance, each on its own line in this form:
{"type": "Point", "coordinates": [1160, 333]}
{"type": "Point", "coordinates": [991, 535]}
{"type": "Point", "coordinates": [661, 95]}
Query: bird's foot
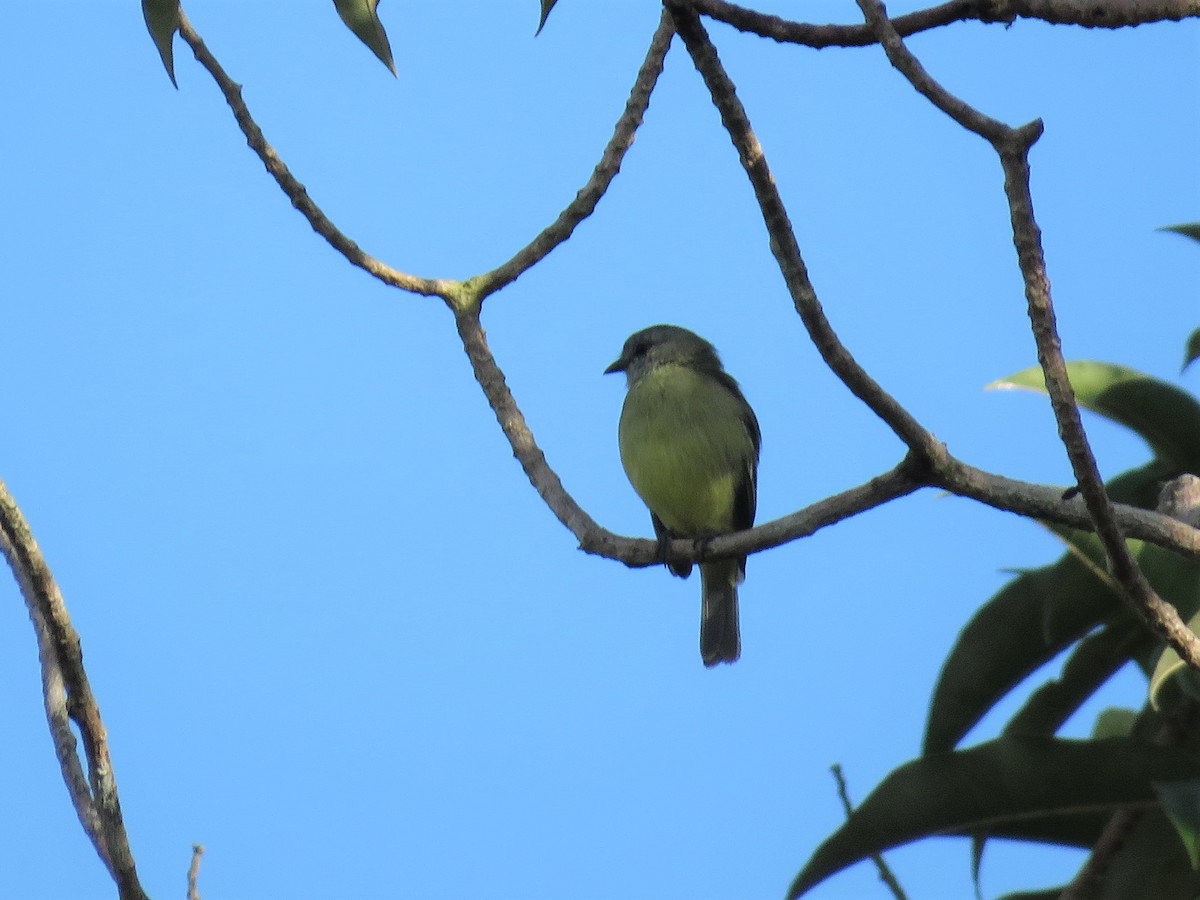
{"type": "Point", "coordinates": [679, 566]}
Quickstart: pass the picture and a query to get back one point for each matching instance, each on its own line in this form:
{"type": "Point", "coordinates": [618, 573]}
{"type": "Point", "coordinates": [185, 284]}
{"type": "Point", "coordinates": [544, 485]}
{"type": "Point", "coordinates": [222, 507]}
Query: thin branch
{"type": "Point", "coordinates": [1105, 13]}
{"type": "Point", "coordinates": [886, 875]}
{"type": "Point", "coordinates": [786, 31]}
{"type": "Point", "coordinates": [910, 67]}
{"type": "Point", "coordinates": [66, 748]}
{"type": "Point", "coordinates": [1046, 502]}
{"type": "Point", "coordinates": [193, 875]}
{"type": "Point", "coordinates": [458, 295]}
{"type": "Point", "coordinates": [938, 467]}
{"type": "Point", "coordinates": [296, 192]}
{"type": "Point", "coordinates": [606, 170]}
{"type": "Point", "coordinates": [1087, 13]}
{"type": "Point", "coordinates": [785, 247]}
{"type": "Point", "coordinates": [1043, 502]}
{"type": "Point", "coordinates": [1013, 145]}
{"type": "Point", "coordinates": [67, 695]}
{"type": "Point", "coordinates": [516, 429]}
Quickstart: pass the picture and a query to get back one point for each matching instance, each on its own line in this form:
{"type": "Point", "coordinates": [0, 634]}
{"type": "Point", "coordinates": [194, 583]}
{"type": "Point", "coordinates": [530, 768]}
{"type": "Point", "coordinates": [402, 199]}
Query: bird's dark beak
{"type": "Point", "coordinates": [619, 366]}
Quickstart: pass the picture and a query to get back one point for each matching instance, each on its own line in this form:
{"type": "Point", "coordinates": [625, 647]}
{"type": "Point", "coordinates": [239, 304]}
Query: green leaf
{"type": "Point", "coordinates": [1050, 894]}
{"type": "Point", "coordinates": [162, 21]}
{"type": "Point", "coordinates": [1170, 669]}
{"type": "Point", "coordinates": [1191, 229]}
{"type": "Point", "coordinates": [1176, 580]}
{"type": "Point", "coordinates": [1181, 802]}
{"type": "Point", "coordinates": [1115, 721]}
{"type": "Point", "coordinates": [362, 18]}
{"type": "Point", "coordinates": [1165, 416]}
{"type": "Point", "coordinates": [1192, 351]}
{"type": "Point", "coordinates": [1092, 662]}
{"type": "Point", "coordinates": [547, 5]}
{"type": "Point", "coordinates": [977, 845]}
{"type": "Point", "coordinates": [1031, 620]}
{"type": "Point", "coordinates": [1001, 789]}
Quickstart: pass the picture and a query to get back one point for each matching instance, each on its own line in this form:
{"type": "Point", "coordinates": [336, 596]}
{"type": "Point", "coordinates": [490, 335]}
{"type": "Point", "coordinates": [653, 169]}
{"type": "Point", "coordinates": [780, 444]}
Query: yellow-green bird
{"type": "Point", "coordinates": [689, 444]}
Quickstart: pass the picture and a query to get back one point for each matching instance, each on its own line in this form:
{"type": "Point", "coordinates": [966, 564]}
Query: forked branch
{"type": "Point", "coordinates": [1013, 145]}
{"type": "Point", "coordinates": [67, 697]}
{"type": "Point", "coordinates": [1087, 13]}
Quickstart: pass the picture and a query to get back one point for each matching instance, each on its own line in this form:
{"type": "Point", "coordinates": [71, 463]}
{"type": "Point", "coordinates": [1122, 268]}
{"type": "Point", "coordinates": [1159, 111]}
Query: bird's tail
{"type": "Point", "coordinates": [720, 640]}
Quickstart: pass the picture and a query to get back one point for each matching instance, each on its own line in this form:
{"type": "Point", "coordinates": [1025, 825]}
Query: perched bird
{"type": "Point", "coordinates": [689, 444]}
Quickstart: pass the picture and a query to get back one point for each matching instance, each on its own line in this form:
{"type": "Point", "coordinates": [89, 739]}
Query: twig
{"type": "Point", "coordinates": [295, 191]}
{"type": "Point", "coordinates": [786, 31]}
{"type": "Point", "coordinates": [1087, 13]}
{"type": "Point", "coordinates": [193, 875]}
{"type": "Point", "coordinates": [1013, 145]}
{"type": "Point", "coordinates": [886, 875]}
{"type": "Point", "coordinates": [909, 66]}
{"type": "Point", "coordinates": [606, 170]}
{"type": "Point", "coordinates": [1041, 501]}
{"type": "Point", "coordinates": [67, 696]}
{"type": "Point", "coordinates": [513, 424]}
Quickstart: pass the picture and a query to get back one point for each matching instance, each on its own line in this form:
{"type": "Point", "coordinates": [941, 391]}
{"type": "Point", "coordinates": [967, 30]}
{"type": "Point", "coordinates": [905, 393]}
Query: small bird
{"type": "Point", "coordinates": [689, 444]}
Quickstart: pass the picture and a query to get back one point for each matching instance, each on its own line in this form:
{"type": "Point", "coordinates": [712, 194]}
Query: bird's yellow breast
{"type": "Point", "coordinates": [686, 449]}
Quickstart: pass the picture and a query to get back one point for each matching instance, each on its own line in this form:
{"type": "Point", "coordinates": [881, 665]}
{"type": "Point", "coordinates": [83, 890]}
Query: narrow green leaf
{"type": "Point", "coordinates": [362, 18]}
{"type": "Point", "coordinates": [1001, 789]}
{"type": "Point", "coordinates": [162, 21]}
{"type": "Point", "coordinates": [1030, 620]}
{"type": "Point", "coordinates": [1050, 894]}
{"type": "Point", "coordinates": [547, 5]}
{"type": "Point", "coordinates": [1191, 229]}
{"type": "Point", "coordinates": [1092, 663]}
{"type": "Point", "coordinates": [1167, 418]}
{"type": "Point", "coordinates": [1181, 802]}
{"type": "Point", "coordinates": [1192, 351]}
{"type": "Point", "coordinates": [978, 843]}
{"type": "Point", "coordinates": [1172, 670]}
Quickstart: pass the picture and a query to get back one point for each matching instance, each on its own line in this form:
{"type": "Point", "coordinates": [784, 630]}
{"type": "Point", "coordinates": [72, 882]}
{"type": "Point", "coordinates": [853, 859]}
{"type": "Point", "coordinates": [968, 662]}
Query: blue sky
{"type": "Point", "coordinates": [336, 636]}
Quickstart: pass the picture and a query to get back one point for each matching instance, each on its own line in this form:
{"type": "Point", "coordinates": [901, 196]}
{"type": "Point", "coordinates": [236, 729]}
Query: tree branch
{"type": "Point", "coordinates": [193, 874]}
{"type": "Point", "coordinates": [606, 170]}
{"type": "Point", "coordinates": [886, 875]}
{"type": "Point", "coordinates": [1044, 502]}
{"type": "Point", "coordinates": [785, 247]}
{"type": "Point", "coordinates": [67, 696]}
{"type": "Point", "coordinates": [1086, 13]}
{"type": "Point", "coordinates": [296, 192]}
{"type": "Point", "coordinates": [1012, 146]}
{"type": "Point", "coordinates": [459, 295]}
{"type": "Point", "coordinates": [516, 429]}
{"type": "Point", "coordinates": [1047, 503]}
{"type": "Point", "coordinates": [929, 463]}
